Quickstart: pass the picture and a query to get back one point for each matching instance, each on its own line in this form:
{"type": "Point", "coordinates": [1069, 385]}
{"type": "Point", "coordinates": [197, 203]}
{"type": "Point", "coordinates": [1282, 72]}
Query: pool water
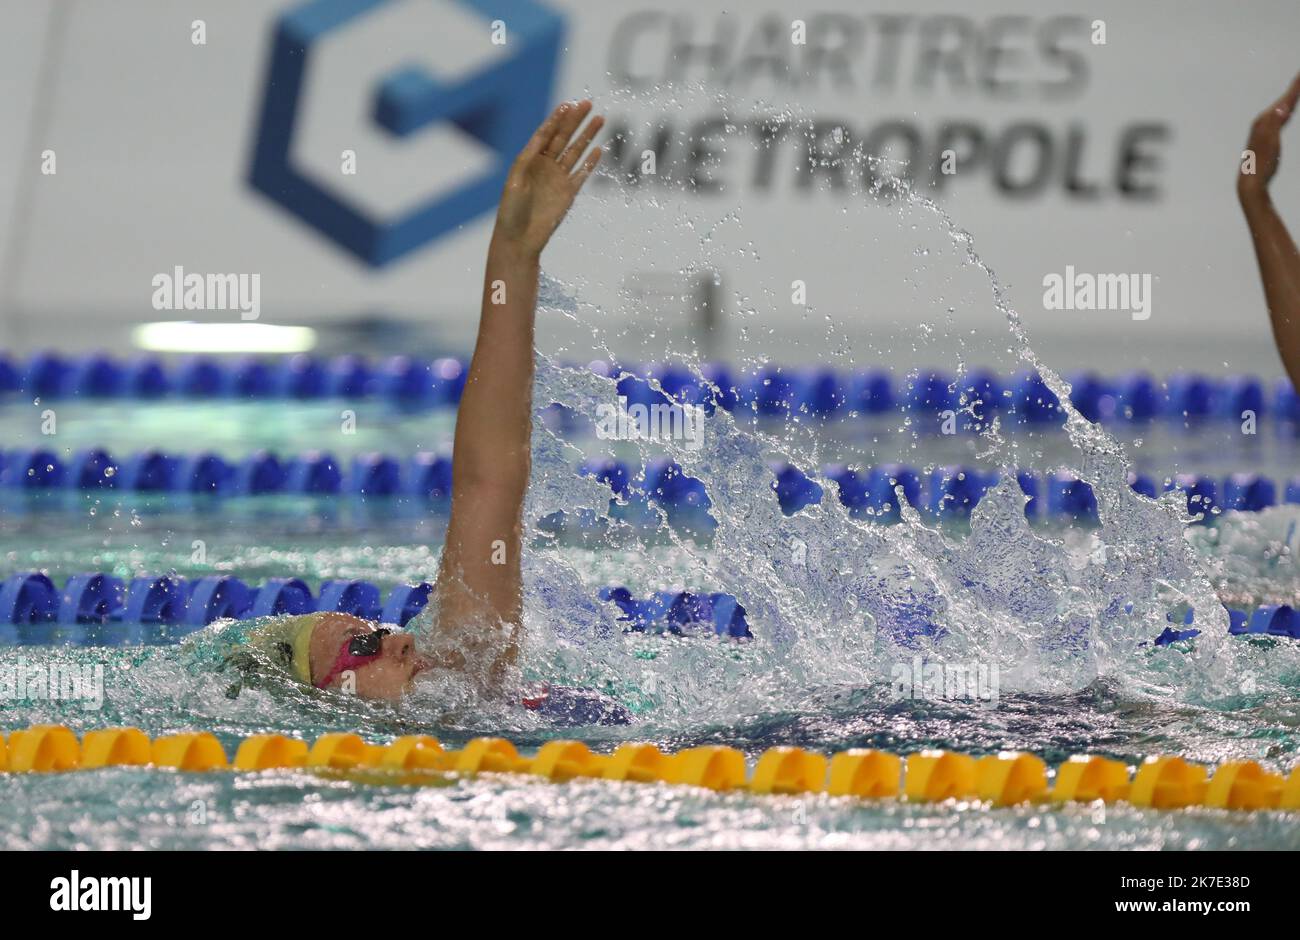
{"type": "Point", "coordinates": [129, 809]}
{"type": "Point", "coordinates": [838, 604]}
{"type": "Point", "coordinates": [685, 690]}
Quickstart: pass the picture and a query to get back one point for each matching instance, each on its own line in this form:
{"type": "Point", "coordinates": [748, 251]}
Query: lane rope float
{"type": "Point", "coordinates": [771, 390]}
{"type": "Point", "coordinates": [931, 776]}
{"type": "Point", "coordinates": [99, 608]}
{"type": "Point", "coordinates": [96, 609]}
{"type": "Point", "coordinates": [869, 492]}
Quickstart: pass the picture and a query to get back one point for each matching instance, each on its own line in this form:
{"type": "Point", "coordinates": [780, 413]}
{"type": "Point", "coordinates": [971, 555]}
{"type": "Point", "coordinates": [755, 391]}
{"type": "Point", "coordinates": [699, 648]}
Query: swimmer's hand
{"type": "Point", "coordinates": [1266, 143]}
{"type": "Point", "coordinates": [546, 177]}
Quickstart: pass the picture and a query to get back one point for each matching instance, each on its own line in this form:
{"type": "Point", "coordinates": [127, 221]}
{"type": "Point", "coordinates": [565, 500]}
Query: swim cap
{"type": "Point", "coordinates": [287, 641]}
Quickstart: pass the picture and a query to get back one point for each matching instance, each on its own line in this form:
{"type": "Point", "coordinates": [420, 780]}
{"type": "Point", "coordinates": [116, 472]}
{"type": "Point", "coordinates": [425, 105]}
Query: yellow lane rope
{"type": "Point", "coordinates": [1161, 782]}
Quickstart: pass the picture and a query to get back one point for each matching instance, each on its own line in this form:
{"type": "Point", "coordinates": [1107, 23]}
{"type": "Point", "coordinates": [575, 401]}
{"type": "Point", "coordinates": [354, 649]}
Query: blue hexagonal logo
{"type": "Point", "coordinates": [498, 105]}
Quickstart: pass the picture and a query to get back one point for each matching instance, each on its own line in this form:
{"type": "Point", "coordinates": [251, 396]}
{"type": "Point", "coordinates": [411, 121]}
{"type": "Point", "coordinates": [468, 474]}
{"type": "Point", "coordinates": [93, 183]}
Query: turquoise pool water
{"type": "Point", "coordinates": [817, 675]}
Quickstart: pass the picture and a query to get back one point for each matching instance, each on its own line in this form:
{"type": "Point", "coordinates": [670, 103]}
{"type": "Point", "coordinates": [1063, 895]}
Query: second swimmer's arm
{"type": "Point", "coordinates": [479, 581]}
{"type": "Point", "coordinates": [1279, 262]}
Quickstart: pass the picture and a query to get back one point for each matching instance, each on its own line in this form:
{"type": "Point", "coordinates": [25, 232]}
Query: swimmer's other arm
{"type": "Point", "coordinates": [1279, 263]}
{"type": "Point", "coordinates": [479, 581]}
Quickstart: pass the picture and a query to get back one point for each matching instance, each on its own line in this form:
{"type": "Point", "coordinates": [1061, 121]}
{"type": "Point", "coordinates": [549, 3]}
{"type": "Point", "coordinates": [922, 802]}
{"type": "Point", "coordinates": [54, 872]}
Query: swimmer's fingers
{"type": "Point", "coordinates": [569, 159]}
{"type": "Point", "coordinates": [542, 136]}
{"type": "Point", "coordinates": [1280, 111]}
{"type": "Point", "coordinates": [584, 171]}
{"type": "Point", "coordinates": [568, 123]}
{"type": "Point", "coordinates": [1285, 106]}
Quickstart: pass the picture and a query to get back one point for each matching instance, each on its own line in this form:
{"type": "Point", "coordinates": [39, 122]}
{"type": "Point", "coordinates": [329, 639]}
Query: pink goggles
{"type": "Point", "coordinates": [355, 652]}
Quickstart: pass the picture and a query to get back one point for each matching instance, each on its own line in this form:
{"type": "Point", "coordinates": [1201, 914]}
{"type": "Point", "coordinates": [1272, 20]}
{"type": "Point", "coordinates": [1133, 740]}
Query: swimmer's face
{"type": "Point", "coordinates": [385, 677]}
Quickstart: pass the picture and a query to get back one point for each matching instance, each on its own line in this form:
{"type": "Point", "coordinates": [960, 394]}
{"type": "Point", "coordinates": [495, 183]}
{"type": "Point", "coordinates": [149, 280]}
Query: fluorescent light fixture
{"type": "Point", "coordinates": [188, 336]}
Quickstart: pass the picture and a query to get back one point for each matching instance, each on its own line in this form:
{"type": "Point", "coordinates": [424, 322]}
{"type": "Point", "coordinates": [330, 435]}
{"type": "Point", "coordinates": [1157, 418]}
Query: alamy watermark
{"type": "Point", "coordinates": [1081, 291]}
{"type": "Point", "coordinates": [66, 682]}
{"type": "Point", "coordinates": [945, 682]}
{"type": "Point", "coordinates": [103, 893]}
{"type": "Point", "coordinates": [657, 422]}
{"type": "Point", "coordinates": [180, 291]}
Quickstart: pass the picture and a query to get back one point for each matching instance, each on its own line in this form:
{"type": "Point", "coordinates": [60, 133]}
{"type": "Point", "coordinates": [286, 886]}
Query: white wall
{"type": "Point", "coordinates": [152, 136]}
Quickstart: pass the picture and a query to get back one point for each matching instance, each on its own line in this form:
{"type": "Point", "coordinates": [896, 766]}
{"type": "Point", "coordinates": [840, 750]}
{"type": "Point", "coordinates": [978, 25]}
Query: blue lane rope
{"type": "Point", "coordinates": [49, 375]}
{"type": "Point", "coordinates": [868, 492]}
{"type": "Point", "coordinates": [101, 609]}
{"type": "Point", "coordinates": [955, 491]}
{"type": "Point", "coordinates": [680, 613]}
{"type": "Point", "coordinates": [162, 608]}
{"type": "Point", "coordinates": [769, 391]}
{"type": "Point", "coordinates": [686, 613]}
{"type": "Point", "coordinates": [1024, 399]}
{"type": "Point", "coordinates": [949, 492]}
{"type": "Point", "coordinates": [261, 472]}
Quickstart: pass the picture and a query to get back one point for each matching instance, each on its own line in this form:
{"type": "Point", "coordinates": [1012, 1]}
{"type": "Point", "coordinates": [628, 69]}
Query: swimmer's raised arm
{"type": "Point", "coordinates": [479, 580]}
{"type": "Point", "coordinates": [1279, 262]}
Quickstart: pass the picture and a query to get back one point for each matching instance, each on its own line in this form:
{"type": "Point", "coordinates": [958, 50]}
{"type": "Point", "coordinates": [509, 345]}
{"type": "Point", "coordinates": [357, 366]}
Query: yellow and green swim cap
{"type": "Point", "coordinates": [287, 640]}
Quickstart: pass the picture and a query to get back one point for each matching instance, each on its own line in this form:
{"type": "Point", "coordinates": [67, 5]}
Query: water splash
{"type": "Point", "coordinates": [1056, 612]}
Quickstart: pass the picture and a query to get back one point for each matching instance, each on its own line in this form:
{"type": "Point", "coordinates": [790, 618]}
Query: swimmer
{"type": "Point", "coordinates": [476, 613]}
{"type": "Point", "coordinates": [1279, 262]}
